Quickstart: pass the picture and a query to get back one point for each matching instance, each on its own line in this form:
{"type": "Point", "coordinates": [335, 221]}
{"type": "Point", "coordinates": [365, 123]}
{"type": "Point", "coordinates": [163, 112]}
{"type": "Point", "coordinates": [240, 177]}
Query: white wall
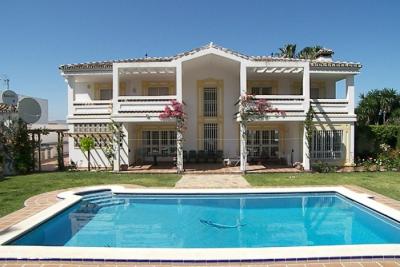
{"type": "Point", "coordinates": [293, 140]}
{"type": "Point", "coordinates": [84, 91]}
{"type": "Point", "coordinates": [216, 68]}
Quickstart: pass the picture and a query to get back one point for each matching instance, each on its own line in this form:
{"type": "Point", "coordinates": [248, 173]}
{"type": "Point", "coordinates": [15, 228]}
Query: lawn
{"type": "Point", "coordinates": [385, 183]}
{"type": "Point", "coordinates": [16, 189]}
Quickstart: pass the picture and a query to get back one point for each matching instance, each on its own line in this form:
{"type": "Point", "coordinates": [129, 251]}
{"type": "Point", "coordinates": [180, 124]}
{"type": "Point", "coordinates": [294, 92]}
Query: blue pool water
{"type": "Point", "coordinates": [213, 221]}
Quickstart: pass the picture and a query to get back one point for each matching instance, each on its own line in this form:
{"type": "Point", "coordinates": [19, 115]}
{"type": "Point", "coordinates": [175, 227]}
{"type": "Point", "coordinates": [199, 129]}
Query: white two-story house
{"type": "Point", "coordinates": [209, 82]}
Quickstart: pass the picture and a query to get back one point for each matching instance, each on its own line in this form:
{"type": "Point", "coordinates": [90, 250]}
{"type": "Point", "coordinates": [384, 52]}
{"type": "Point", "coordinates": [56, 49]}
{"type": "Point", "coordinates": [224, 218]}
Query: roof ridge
{"type": "Point", "coordinates": [106, 64]}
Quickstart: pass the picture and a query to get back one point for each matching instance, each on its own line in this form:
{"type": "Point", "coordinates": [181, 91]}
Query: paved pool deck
{"type": "Point", "coordinates": [40, 202]}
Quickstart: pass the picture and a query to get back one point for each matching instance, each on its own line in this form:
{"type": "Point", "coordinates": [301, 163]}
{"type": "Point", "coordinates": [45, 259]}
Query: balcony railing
{"type": "Point", "coordinates": [294, 106]}
{"type": "Point", "coordinates": [331, 106]}
{"type": "Point", "coordinates": [287, 103]}
{"type": "Point", "coordinates": [94, 107]}
{"type": "Point", "coordinates": [145, 105]}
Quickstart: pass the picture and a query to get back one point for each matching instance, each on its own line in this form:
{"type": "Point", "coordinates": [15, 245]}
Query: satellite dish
{"type": "Point", "coordinates": [9, 97]}
{"type": "Point", "coordinates": [29, 110]}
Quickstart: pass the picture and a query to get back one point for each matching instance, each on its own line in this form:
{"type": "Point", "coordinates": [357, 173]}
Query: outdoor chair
{"type": "Point", "coordinates": [185, 156]}
{"type": "Point", "coordinates": [211, 156]}
{"type": "Point", "coordinates": [219, 157]}
{"type": "Point", "coordinates": [201, 156]}
{"type": "Point", "coordinates": [192, 156]}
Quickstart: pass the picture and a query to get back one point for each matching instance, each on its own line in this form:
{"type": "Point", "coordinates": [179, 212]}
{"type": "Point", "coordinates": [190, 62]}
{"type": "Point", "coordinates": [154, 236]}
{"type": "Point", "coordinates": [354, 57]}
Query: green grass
{"type": "Point", "coordinates": [385, 183]}
{"type": "Point", "coordinates": [15, 190]}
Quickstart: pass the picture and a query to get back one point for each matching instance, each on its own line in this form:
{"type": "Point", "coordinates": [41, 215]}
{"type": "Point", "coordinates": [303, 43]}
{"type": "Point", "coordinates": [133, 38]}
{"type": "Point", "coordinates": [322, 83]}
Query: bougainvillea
{"type": "Point", "coordinates": [175, 111]}
{"type": "Point", "coordinates": [252, 108]}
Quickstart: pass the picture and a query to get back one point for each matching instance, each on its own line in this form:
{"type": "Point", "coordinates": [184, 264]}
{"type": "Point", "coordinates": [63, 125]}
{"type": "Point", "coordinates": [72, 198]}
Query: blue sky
{"type": "Point", "coordinates": [37, 36]}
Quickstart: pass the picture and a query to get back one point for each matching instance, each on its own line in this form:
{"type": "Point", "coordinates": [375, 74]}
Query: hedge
{"type": "Point", "coordinates": [368, 138]}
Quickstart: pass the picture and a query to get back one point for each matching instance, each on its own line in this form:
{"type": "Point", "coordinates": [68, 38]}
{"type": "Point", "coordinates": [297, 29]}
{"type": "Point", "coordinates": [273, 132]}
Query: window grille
{"type": "Point", "coordinates": [327, 144]}
{"type": "Point", "coordinates": [210, 102]}
{"type": "Point", "coordinates": [210, 137]}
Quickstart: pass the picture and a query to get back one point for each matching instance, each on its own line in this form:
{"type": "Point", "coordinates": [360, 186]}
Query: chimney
{"type": "Point", "coordinates": [324, 54]}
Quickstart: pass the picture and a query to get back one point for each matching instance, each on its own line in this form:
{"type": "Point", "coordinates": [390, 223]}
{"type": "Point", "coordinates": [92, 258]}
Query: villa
{"type": "Point", "coordinates": [209, 81]}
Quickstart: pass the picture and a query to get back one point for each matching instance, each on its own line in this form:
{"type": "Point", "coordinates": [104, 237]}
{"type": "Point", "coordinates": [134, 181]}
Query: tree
{"type": "Point", "coordinates": [309, 52]}
{"type": "Point", "coordinates": [388, 101]}
{"type": "Point", "coordinates": [17, 149]}
{"type": "Point", "coordinates": [288, 51]}
{"type": "Point", "coordinates": [87, 144]}
{"type": "Point", "coordinates": [377, 106]}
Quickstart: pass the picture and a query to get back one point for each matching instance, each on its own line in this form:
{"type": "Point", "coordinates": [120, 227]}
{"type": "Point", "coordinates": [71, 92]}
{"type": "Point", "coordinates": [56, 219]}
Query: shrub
{"type": "Point", "coordinates": [369, 138]}
{"type": "Point", "coordinates": [323, 167]}
{"type": "Point", "coordinates": [87, 144]}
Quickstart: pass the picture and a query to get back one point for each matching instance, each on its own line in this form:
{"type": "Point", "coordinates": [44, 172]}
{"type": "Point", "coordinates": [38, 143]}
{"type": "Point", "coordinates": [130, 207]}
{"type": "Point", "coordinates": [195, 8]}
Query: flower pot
{"type": "Point", "coordinates": [123, 167]}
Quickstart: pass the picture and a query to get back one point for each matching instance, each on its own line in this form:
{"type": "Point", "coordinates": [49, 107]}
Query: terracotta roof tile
{"type": "Point", "coordinates": [107, 65]}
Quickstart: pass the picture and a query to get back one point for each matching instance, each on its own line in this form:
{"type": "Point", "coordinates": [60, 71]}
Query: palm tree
{"type": "Point", "coordinates": [87, 144]}
{"type": "Point", "coordinates": [309, 52]}
{"type": "Point", "coordinates": [288, 51]}
{"type": "Point", "coordinates": [388, 100]}
{"type": "Point", "coordinates": [368, 108]}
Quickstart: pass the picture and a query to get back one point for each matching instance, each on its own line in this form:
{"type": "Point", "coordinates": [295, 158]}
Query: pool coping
{"type": "Point", "coordinates": [275, 254]}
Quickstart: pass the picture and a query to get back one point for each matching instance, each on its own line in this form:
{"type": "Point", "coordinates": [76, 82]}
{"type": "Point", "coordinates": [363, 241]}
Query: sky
{"type": "Point", "coordinates": [38, 36]}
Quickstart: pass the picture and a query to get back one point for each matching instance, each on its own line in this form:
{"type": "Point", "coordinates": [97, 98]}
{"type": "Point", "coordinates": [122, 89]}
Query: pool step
{"type": "Point", "coordinates": [98, 195]}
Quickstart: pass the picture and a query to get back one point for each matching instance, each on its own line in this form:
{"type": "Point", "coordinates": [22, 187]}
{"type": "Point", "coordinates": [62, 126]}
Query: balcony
{"type": "Point", "coordinates": [94, 107]}
{"type": "Point", "coordinates": [143, 107]}
{"type": "Point", "coordinates": [331, 106]}
{"type": "Point", "coordinates": [295, 107]}
{"type": "Point", "coordinates": [287, 103]}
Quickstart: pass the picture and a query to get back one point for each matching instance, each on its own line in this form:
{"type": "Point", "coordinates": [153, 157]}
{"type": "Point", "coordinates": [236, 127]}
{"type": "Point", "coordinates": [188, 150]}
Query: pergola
{"type": "Point", "coordinates": [38, 140]}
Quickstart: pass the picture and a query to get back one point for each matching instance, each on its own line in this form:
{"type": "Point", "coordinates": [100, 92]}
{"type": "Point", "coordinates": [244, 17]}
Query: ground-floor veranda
{"type": "Point", "coordinates": [270, 146]}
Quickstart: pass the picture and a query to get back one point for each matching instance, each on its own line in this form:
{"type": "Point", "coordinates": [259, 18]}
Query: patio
{"type": "Point", "coordinates": [210, 168]}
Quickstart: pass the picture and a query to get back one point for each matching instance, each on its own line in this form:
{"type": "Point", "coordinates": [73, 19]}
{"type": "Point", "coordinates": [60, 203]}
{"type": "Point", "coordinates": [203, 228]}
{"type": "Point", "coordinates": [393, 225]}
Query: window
{"type": "Point", "coordinates": [105, 94]}
{"type": "Point", "coordinates": [210, 136]}
{"type": "Point", "coordinates": [158, 91]}
{"type": "Point", "coordinates": [261, 90]}
{"type": "Point", "coordinates": [263, 143]}
{"type": "Point", "coordinates": [327, 144]}
{"type": "Point", "coordinates": [314, 93]}
{"type": "Point", "coordinates": [210, 102]}
{"type": "Point", "coordinates": [161, 142]}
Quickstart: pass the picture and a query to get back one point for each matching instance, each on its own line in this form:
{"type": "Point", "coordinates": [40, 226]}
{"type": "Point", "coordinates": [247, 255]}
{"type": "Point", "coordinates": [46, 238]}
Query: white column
{"type": "Point", "coordinates": [179, 82]}
{"type": "Point", "coordinates": [350, 142]}
{"type": "Point", "coordinates": [70, 97]}
{"type": "Point", "coordinates": [243, 129]}
{"type": "Point", "coordinates": [124, 150]}
{"type": "Point", "coordinates": [306, 95]}
{"type": "Point", "coordinates": [117, 151]}
{"type": "Point", "coordinates": [350, 93]}
{"type": "Point", "coordinates": [117, 136]}
{"type": "Point", "coordinates": [179, 135]}
{"type": "Point", "coordinates": [115, 88]}
{"type": "Point", "coordinates": [306, 87]}
{"type": "Point", "coordinates": [306, 151]}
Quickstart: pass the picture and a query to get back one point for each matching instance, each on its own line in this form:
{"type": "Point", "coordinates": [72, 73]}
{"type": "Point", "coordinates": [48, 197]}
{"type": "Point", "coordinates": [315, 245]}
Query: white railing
{"type": "Point", "coordinates": [94, 107]}
{"type": "Point", "coordinates": [143, 104]}
{"type": "Point", "coordinates": [287, 103]}
{"type": "Point", "coordinates": [331, 106]}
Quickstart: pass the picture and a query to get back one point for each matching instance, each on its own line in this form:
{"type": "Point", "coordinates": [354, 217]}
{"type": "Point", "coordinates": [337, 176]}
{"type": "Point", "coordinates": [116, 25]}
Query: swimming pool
{"type": "Point", "coordinates": [104, 219]}
{"type": "Point", "coordinates": [209, 224]}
